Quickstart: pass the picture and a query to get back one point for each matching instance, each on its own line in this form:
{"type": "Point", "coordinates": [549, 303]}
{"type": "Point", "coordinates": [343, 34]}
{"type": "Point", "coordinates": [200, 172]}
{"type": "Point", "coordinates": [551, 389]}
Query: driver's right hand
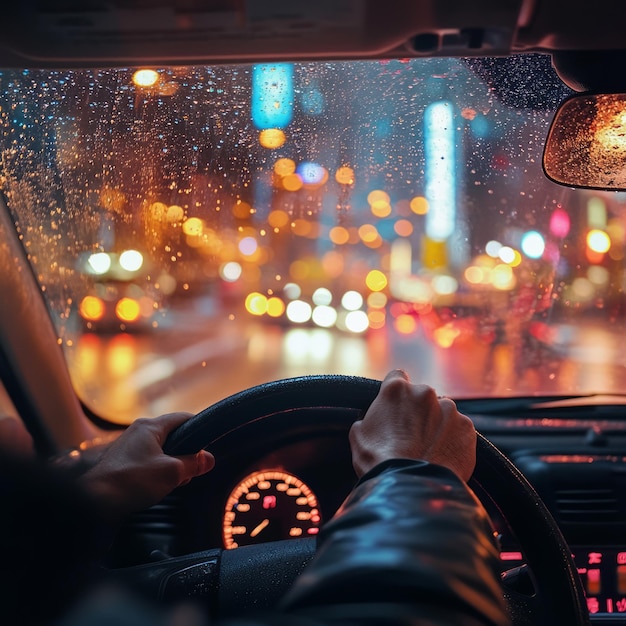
{"type": "Point", "coordinates": [410, 421]}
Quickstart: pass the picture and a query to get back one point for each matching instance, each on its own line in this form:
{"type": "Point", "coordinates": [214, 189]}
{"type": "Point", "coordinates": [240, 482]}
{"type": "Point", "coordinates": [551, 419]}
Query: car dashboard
{"type": "Point", "coordinates": [275, 480]}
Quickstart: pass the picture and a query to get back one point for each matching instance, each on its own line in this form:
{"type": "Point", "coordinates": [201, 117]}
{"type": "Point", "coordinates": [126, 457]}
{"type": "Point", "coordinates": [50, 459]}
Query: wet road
{"type": "Point", "coordinates": [125, 376]}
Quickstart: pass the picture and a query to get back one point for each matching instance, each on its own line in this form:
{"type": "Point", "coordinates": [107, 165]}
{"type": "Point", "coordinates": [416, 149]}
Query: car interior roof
{"type": "Point", "coordinates": [48, 33]}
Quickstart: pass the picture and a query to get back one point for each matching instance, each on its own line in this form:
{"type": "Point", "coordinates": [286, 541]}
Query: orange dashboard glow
{"type": "Point", "coordinates": [269, 505]}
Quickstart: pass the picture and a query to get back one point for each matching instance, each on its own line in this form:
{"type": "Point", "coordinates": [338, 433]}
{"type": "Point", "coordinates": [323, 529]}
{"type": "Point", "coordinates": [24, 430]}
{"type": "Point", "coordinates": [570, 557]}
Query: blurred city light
{"type": "Point", "coordinates": [298, 311]}
{"type": "Point", "coordinates": [275, 307]}
{"type": "Point", "coordinates": [419, 205]}
{"type": "Point", "coordinates": [377, 319]}
{"type": "Point", "coordinates": [368, 233]}
{"type": "Point", "coordinates": [345, 175]}
{"type": "Point", "coordinates": [480, 126]}
{"type": "Point", "coordinates": [272, 95]}
{"type": "Point", "coordinates": [128, 310]}
{"type": "Point", "coordinates": [378, 195]}
{"type": "Point", "coordinates": [91, 308]}
{"type": "Point", "coordinates": [405, 324]}
{"type": "Point", "coordinates": [278, 219]}
{"type": "Point", "coordinates": [322, 296]}
{"type": "Point", "coordinates": [292, 291]}
{"type": "Point", "coordinates": [533, 244]}
{"type": "Point", "coordinates": [444, 285]}
{"type": "Point", "coordinates": [596, 213]}
{"type": "Point", "coordinates": [440, 183]}
{"type": "Point", "coordinates": [284, 167]}
{"type": "Point", "coordinates": [493, 248]}
{"type": "Point", "coordinates": [598, 275]}
{"type": "Point", "coordinates": [352, 300]}
{"type": "Point", "coordinates": [311, 173]}
{"type": "Point", "coordinates": [131, 260]}
{"type": "Point", "coordinates": [357, 321]}
{"type": "Point", "coordinates": [193, 226]}
{"type": "Point", "coordinates": [474, 275]}
{"type": "Point", "coordinates": [99, 262]}
{"type": "Point", "coordinates": [377, 300]}
{"type": "Point", "coordinates": [339, 235]}
{"type": "Point", "coordinates": [445, 335]}
{"type": "Point", "coordinates": [231, 271]}
{"type": "Point", "coordinates": [376, 280]}
{"type": "Point", "coordinates": [403, 228]}
{"type": "Point", "coordinates": [292, 182]}
{"type": "Point", "coordinates": [256, 303]}
{"type": "Point", "coordinates": [145, 78]}
{"type": "Point", "coordinates": [304, 346]}
{"type": "Point", "coordinates": [559, 223]}
{"type": "Point", "coordinates": [324, 316]}
{"type": "Point", "coordinates": [598, 241]}
{"type": "Point", "coordinates": [272, 138]}
{"type": "Point", "coordinates": [312, 101]}
{"type": "Point", "coordinates": [502, 277]}
{"type": "Point", "coordinates": [248, 246]}
{"type": "Point", "coordinates": [506, 254]}
{"type": "Point", "coordinates": [582, 289]}
{"type": "Point", "coordinates": [174, 214]}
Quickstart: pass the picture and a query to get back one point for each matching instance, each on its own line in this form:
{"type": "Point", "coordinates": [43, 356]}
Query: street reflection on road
{"type": "Point", "coordinates": [124, 376]}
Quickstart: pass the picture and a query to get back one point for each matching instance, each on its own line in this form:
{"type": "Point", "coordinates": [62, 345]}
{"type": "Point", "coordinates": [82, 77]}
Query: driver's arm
{"type": "Point", "coordinates": [53, 535]}
{"type": "Point", "coordinates": [133, 473]}
{"type": "Point", "coordinates": [411, 544]}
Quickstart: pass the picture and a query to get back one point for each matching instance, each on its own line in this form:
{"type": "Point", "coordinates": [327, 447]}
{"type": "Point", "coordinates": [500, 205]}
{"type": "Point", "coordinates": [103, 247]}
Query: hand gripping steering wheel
{"type": "Point", "coordinates": [257, 576]}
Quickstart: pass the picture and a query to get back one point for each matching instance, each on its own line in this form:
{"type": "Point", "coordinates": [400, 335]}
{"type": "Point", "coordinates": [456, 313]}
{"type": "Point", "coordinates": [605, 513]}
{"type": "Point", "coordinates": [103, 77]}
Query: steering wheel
{"type": "Point", "coordinates": [257, 576]}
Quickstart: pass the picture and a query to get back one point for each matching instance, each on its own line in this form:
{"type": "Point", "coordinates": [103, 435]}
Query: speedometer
{"type": "Point", "coordinates": [269, 505]}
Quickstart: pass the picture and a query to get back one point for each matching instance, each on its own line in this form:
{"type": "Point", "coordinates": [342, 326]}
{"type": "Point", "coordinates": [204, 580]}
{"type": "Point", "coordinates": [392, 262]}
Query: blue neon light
{"type": "Point", "coordinates": [311, 173]}
{"type": "Point", "coordinates": [272, 95]}
{"type": "Point", "coordinates": [440, 184]}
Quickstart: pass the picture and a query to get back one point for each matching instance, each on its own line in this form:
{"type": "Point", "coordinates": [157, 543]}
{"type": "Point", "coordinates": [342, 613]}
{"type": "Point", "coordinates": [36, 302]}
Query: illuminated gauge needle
{"type": "Point", "coordinates": [259, 528]}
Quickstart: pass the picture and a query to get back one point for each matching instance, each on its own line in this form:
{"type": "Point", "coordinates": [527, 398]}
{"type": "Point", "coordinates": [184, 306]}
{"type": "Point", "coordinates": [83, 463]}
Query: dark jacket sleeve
{"type": "Point", "coordinates": [411, 544]}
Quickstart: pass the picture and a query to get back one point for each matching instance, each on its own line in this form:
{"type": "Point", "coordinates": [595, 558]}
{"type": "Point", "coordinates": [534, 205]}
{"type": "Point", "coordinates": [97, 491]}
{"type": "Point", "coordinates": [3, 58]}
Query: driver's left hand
{"type": "Point", "coordinates": [133, 472]}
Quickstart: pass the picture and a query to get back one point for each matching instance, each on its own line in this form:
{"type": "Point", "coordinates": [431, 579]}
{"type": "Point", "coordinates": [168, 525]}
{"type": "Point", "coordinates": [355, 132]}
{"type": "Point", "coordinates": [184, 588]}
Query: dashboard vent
{"type": "Point", "coordinates": [588, 505]}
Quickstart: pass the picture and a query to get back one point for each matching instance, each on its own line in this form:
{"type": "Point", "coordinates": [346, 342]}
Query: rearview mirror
{"type": "Point", "coordinates": [586, 144]}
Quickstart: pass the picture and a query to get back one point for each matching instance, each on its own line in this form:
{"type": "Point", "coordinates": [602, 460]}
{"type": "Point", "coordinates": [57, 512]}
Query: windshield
{"type": "Point", "coordinates": [197, 231]}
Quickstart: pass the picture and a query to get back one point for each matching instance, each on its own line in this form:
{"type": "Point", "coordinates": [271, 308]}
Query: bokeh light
{"type": "Point", "coordinates": [284, 167]}
{"type": "Point", "coordinates": [352, 300]}
{"type": "Point", "coordinates": [598, 241]}
{"type": "Point", "coordinates": [298, 311]}
{"type": "Point", "coordinates": [322, 296]}
{"type": "Point", "coordinates": [256, 303]}
{"type": "Point", "coordinates": [419, 205]}
{"type": "Point", "coordinates": [91, 308]}
{"type": "Point", "coordinates": [145, 78]}
{"type": "Point", "coordinates": [248, 246]}
{"type": "Point", "coordinates": [128, 310]}
{"type": "Point", "coordinates": [376, 280]}
{"type": "Point", "coordinates": [357, 321]}
{"type": "Point", "coordinates": [345, 175]}
{"type": "Point", "coordinates": [99, 262]}
{"type": "Point", "coordinates": [272, 138]}
{"type": "Point", "coordinates": [131, 260]}
{"type": "Point", "coordinates": [533, 244]}
{"type": "Point", "coordinates": [324, 316]}
{"type": "Point", "coordinates": [231, 271]}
